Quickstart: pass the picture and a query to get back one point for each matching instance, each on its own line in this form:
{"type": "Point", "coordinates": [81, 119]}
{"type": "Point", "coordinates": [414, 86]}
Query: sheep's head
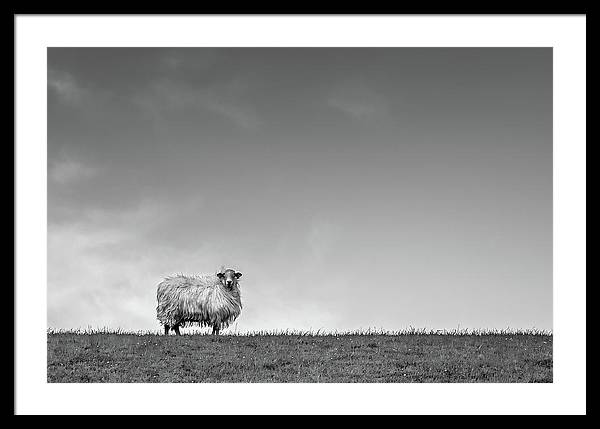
{"type": "Point", "coordinates": [229, 278]}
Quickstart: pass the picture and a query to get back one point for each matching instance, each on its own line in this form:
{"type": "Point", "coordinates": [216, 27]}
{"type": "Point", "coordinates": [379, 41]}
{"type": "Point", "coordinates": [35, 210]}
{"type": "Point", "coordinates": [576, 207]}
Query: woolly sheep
{"type": "Point", "coordinates": [207, 300]}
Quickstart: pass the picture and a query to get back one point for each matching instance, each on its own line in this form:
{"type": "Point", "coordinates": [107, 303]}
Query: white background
{"type": "Point", "coordinates": [566, 34]}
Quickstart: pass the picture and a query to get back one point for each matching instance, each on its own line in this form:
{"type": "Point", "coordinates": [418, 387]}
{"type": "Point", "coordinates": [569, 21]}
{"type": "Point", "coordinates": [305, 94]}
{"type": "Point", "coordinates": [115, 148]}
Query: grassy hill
{"type": "Point", "coordinates": [363, 357]}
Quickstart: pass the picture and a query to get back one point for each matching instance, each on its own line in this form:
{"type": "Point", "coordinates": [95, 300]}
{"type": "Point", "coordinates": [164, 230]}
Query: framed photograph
{"type": "Point", "coordinates": [362, 214]}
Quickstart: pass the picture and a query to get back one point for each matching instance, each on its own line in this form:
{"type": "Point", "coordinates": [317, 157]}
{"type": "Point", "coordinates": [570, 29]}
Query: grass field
{"type": "Point", "coordinates": [301, 357]}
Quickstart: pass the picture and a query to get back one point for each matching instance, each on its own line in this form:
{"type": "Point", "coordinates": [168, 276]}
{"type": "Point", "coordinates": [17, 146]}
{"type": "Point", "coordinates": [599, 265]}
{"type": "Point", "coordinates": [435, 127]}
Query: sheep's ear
{"type": "Point", "coordinates": [220, 275]}
{"type": "Point", "coordinates": [238, 275]}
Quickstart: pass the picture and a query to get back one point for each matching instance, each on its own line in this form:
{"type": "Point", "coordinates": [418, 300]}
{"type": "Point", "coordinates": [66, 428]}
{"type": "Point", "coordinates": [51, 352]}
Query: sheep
{"type": "Point", "coordinates": [207, 300]}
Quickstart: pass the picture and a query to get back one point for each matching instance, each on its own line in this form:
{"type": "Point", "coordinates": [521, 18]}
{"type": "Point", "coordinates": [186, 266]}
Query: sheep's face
{"type": "Point", "coordinates": [229, 278]}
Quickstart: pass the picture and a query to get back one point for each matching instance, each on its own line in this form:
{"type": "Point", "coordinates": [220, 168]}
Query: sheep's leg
{"type": "Point", "coordinates": [176, 329]}
{"type": "Point", "coordinates": [166, 329]}
{"type": "Point", "coordinates": [215, 330]}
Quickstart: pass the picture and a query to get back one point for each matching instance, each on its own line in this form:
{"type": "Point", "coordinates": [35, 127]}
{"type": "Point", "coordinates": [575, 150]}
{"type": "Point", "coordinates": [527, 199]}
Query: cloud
{"type": "Point", "coordinates": [357, 100]}
{"type": "Point", "coordinates": [189, 60]}
{"type": "Point", "coordinates": [65, 87]}
{"type": "Point", "coordinates": [226, 100]}
{"type": "Point", "coordinates": [89, 102]}
{"type": "Point", "coordinates": [97, 278]}
{"type": "Point", "coordinates": [137, 224]}
{"type": "Point", "coordinates": [103, 269]}
{"type": "Point", "coordinates": [67, 171]}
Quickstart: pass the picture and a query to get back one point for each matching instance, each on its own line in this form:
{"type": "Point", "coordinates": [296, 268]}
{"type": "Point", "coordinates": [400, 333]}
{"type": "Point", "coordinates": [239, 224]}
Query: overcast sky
{"type": "Point", "coordinates": [353, 188]}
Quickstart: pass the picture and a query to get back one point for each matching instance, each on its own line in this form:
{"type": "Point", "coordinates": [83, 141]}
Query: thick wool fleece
{"type": "Point", "coordinates": [203, 300]}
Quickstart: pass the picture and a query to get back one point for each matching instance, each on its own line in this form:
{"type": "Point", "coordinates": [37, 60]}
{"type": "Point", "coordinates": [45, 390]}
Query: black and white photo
{"type": "Point", "coordinates": [381, 214]}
